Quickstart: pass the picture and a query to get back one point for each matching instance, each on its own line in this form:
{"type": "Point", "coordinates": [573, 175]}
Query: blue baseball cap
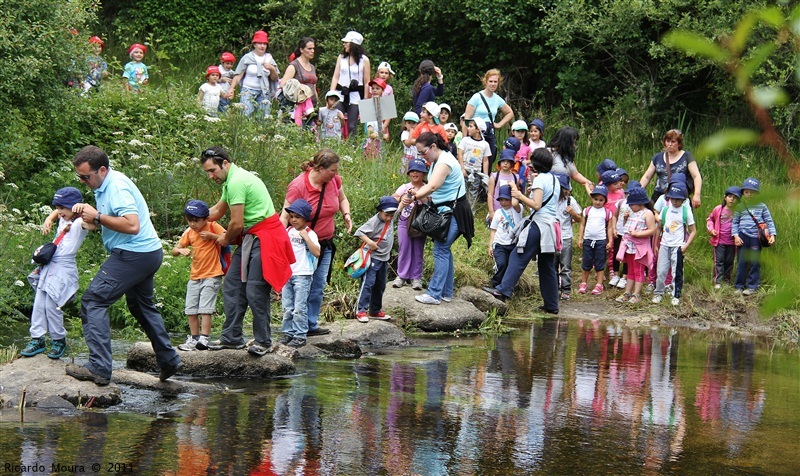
{"type": "Point", "coordinates": [563, 180]}
{"type": "Point", "coordinates": [67, 197]}
{"type": "Point", "coordinates": [387, 204]}
{"type": "Point", "coordinates": [504, 192]}
{"type": "Point", "coordinates": [751, 183]}
{"type": "Point", "coordinates": [605, 165]}
{"type": "Point", "coordinates": [508, 154]}
{"type": "Point", "coordinates": [196, 208]}
{"type": "Point", "coordinates": [512, 143]}
{"type": "Point", "coordinates": [417, 165]}
{"type": "Point", "coordinates": [610, 176]}
{"type": "Point", "coordinates": [677, 190]}
{"type": "Point", "coordinates": [631, 185]}
{"type": "Point", "coordinates": [600, 189]}
{"type": "Point", "coordinates": [301, 208]}
{"type": "Point", "coordinates": [638, 196]}
{"type": "Point", "coordinates": [734, 190]}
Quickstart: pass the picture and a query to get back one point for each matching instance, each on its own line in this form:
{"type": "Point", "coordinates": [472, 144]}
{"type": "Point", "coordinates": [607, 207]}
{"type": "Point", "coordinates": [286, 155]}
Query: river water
{"type": "Point", "coordinates": [555, 397]}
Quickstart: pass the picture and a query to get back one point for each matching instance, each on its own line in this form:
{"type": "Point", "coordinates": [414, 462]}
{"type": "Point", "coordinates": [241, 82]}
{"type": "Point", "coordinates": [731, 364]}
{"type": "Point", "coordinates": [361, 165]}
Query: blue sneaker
{"type": "Point", "coordinates": [35, 346]}
{"type": "Point", "coordinates": [57, 348]}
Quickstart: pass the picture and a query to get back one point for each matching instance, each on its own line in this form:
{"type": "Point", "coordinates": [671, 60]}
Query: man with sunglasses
{"type": "Point", "coordinates": [135, 250]}
{"type": "Point", "coordinates": [263, 259]}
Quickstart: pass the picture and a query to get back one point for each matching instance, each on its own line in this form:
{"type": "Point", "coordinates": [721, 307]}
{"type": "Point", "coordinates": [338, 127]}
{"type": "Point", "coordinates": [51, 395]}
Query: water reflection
{"type": "Point", "coordinates": [563, 397]}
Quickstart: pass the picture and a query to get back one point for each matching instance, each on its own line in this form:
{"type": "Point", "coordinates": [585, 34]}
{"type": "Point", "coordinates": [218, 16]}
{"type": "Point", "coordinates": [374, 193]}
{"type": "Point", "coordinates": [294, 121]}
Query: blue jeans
{"type": "Point", "coordinates": [501, 254]}
{"type": "Point", "coordinates": [131, 274]}
{"type": "Point", "coordinates": [239, 295]}
{"type": "Point", "coordinates": [254, 99]}
{"type": "Point", "coordinates": [441, 283]}
{"type": "Point", "coordinates": [748, 270]}
{"type": "Point", "coordinates": [294, 298]}
{"type": "Point", "coordinates": [517, 262]}
{"type": "Point", "coordinates": [372, 287]}
{"type": "Point", "coordinates": [317, 291]}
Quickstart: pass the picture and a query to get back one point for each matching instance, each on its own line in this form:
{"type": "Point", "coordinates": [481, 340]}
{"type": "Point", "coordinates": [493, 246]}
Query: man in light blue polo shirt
{"type": "Point", "coordinates": [135, 256]}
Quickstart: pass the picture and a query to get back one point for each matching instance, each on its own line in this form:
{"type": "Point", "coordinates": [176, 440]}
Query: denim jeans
{"type": "Point", "coordinates": [441, 283]}
{"type": "Point", "coordinates": [317, 291]}
{"type": "Point", "coordinates": [253, 99]}
{"type": "Point", "coordinates": [372, 287]}
{"type": "Point", "coordinates": [294, 298]}
{"type": "Point", "coordinates": [748, 270]}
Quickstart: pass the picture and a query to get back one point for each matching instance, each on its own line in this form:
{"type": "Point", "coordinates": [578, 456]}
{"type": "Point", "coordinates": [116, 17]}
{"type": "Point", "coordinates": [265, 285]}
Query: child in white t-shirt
{"type": "Point", "coordinates": [210, 92]}
{"type": "Point", "coordinates": [294, 296]}
{"type": "Point", "coordinates": [595, 237]}
{"type": "Point", "coordinates": [410, 121]}
{"type": "Point", "coordinates": [226, 73]}
{"type": "Point", "coordinates": [505, 218]}
{"type": "Point", "coordinates": [678, 231]}
{"type": "Point", "coordinates": [474, 151]}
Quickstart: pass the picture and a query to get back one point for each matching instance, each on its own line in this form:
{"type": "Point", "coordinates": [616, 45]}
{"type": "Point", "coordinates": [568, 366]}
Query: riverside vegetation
{"type": "Point", "coordinates": [156, 138]}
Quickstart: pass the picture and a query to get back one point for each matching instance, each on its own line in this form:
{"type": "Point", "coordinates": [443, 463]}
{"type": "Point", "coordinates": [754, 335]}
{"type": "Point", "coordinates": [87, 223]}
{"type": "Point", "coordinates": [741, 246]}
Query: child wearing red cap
{"type": "Point", "coordinates": [226, 73]}
{"type": "Point", "coordinates": [210, 92]}
{"type": "Point", "coordinates": [98, 68]}
{"type": "Point", "coordinates": [136, 71]}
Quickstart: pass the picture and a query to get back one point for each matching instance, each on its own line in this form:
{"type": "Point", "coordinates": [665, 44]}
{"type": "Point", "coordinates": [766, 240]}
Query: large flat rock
{"type": "Point", "coordinates": [370, 334]}
{"type": "Point", "coordinates": [445, 317]}
{"type": "Point", "coordinates": [48, 386]}
{"type": "Point", "coordinates": [217, 363]}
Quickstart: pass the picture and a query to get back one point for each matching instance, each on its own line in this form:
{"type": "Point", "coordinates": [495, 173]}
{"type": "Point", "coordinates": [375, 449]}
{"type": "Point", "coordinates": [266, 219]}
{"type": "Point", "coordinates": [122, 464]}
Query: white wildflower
{"type": "Point", "coordinates": [211, 119]}
{"type": "Point", "coordinates": [254, 173]}
{"type": "Point", "coordinates": [180, 164]}
{"type": "Point", "coordinates": [347, 158]}
{"type": "Point", "coordinates": [147, 136]}
{"type": "Point", "coordinates": [161, 112]}
{"type": "Point", "coordinates": [159, 305]}
{"type": "Point", "coordinates": [134, 156]}
{"type": "Point", "coordinates": [190, 117]}
{"type": "Point", "coordinates": [19, 283]}
{"type": "Point", "coordinates": [16, 210]}
{"type": "Point", "coordinates": [278, 138]}
{"type": "Point", "coordinates": [142, 131]}
{"type": "Point", "coordinates": [13, 185]}
{"type": "Point", "coordinates": [120, 141]}
{"type": "Point", "coordinates": [144, 166]}
{"type": "Point", "coordinates": [54, 174]}
{"type": "Point", "coordinates": [135, 142]}
{"type": "Point", "coordinates": [117, 133]}
{"type": "Point", "coordinates": [2, 175]}
{"type": "Point", "coordinates": [20, 247]}
{"type": "Point", "coordinates": [167, 264]}
{"type": "Point", "coordinates": [47, 209]}
{"type": "Point", "coordinates": [238, 105]}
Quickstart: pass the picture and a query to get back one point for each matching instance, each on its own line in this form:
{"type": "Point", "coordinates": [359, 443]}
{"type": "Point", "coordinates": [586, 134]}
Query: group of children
{"type": "Point", "coordinates": [642, 242]}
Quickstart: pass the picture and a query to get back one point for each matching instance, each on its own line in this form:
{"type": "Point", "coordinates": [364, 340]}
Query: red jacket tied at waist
{"type": "Point", "coordinates": [276, 251]}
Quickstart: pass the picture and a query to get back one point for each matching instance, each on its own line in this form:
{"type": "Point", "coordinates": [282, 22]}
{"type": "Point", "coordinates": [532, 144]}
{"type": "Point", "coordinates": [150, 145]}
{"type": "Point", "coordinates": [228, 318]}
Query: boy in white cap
{"type": "Point", "coordinates": [331, 118]}
{"type": "Point", "coordinates": [378, 236]}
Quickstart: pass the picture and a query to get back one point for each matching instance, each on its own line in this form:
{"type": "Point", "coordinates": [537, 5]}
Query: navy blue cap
{"type": "Point", "coordinates": [300, 207]}
{"type": "Point", "coordinates": [538, 123]}
{"type": "Point", "coordinates": [622, 172]}
{"type": "Point", "coordinates": [638, 196]}
{"type": "Point", "coordinates": [512, 143]}
{"type": "Point", "coordinates": [507, 154]}
{"type": "Point", "coordinates": [600, 189]}
{"type": "Point", "coordinates": [610, 176]}
{"type": "Point", "coordinates": [631, 185]}
{"type": "Point", "coordinates": [677, 190]}
{"type": "Point", "coordinates": [734, 190]}
{"type": "Point", "coordinates": [605, 165]}
{"type": "Point", "coordinates": [679, 177]}
{"type": "Point", "coordinates": [387, 204]}
{"type": "Point", "coordinates": [563, 180]}
{"type": "Point", "coordinates": [417, 165]}
{"type": "Point", "coordinates": [196, 208]}
{"type": "Point", "coordinates": [67, 197]}
{"type": "Point", "coordinates": [504, 192]}
{"type": "Point", "coordinates": [751, 183]}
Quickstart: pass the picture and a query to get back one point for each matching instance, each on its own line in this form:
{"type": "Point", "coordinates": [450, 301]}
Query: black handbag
{"type": "Point", "coordinates": [43, 254]}
{"type": "Point", "coordinates": [413, 232]}
{"type": "Point", "coordinates": [429, 221]}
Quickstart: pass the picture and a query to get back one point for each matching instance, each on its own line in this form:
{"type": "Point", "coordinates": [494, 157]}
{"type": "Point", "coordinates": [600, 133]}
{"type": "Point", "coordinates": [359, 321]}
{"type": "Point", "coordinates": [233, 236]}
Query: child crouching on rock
{"type": "Point", "coordinates": [378, 236]}
{"type": "Point", "coordinates": [55, 283]}
{"type": "Point", "coordinates": [206, 273]}
{"type": "Point", "coordinates": [294, 296]}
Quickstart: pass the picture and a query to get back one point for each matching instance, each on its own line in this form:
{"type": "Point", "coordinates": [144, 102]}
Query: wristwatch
{"type": "Point", "coordinates": [96, 219]}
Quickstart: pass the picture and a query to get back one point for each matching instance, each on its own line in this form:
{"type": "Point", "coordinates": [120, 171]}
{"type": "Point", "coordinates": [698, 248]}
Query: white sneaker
{"type": "Point", "coordinates": [446, 299]}
{"type": "Point", "coordinates": [621, 283]}
{"type": "Point", "coordinates": [416, 284]}
{"type": "Point", "coordinates": [189, 345]}
{"type": "Point", "coordinates": [613, 281]}
{"type": "Point", "coordinates": [657, 299]}
{"type": "Point", "coordinates": [398, 282]}
{"type": "Point", "coordinates": [202, 343]}
{"type": "Point", "coordinates": [717, 286]}
{"type": "Point", "coordinates": [748, 292]}
{"type": "Point", "coordinates": [427, 299]}
{"type": "Point", "coordinates": [676, 301]}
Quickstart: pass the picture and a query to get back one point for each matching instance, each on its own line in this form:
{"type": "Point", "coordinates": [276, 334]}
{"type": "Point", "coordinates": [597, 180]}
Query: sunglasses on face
{"type": "Point", "coordinates": [86, 177]}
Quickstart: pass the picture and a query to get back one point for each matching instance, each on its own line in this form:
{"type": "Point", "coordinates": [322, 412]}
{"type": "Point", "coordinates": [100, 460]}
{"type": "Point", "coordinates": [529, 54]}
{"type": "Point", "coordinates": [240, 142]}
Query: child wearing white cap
{"type": "Point", "coordinates": [331, 118]}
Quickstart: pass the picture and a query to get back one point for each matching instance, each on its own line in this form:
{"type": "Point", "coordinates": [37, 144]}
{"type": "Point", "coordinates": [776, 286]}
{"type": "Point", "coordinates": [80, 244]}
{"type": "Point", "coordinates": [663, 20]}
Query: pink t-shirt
{"type": "Point", "coordinates": [725, 226]}
{"type": "Point", "coordinates": [301, 187]}
{"type": "Point", "coordinates": [613, 198]}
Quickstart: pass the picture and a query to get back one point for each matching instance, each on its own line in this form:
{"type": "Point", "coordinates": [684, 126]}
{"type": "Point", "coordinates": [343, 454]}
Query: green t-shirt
{"type": "Point", "coordinates": [243, 188]}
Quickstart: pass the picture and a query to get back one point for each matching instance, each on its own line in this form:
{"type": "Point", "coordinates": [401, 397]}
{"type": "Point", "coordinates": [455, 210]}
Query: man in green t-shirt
{"type": "Point", "coordinates": [249, 202]}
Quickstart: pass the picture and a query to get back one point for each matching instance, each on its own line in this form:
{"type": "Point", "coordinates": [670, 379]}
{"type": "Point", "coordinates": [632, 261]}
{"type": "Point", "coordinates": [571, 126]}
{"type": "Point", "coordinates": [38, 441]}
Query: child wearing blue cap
{"type": "Point", "coordinates": [636, 249]}
{"type": "Point", "coordinates": [55, 283]}
{"type": "Point", "coordinates": [378, 236]}
{"type": "Point", "coordinates": [294, 296]}
{"type": "Point", "coordinates": [568, 211]}
{"type": "Point", "coordinates": [747, 220]}
{"type": "Point", "coordinates": [501, 235]}
{"type": "Point", "coordinates": [205, 278]}
{"type": "Point", "coordinates": [410, 243]}
{"type": "Point", "coordinates": [503, 176]}
{"type": "Point", "coordinates": [677, 233]}
{"type": "Point", "coordinates": [595, 238]}
{"type": "Point", "coordinates": [719, 225]}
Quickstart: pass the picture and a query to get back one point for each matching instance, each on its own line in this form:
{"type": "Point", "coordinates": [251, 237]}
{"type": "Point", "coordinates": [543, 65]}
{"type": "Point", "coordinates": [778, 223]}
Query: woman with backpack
{"type": "Point", "coordinates": [487, 105]}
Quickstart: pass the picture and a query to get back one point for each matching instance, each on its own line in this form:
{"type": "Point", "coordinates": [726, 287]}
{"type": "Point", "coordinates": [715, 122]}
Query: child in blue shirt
{"type": "Point", "coordinates": [136, 71]}
{"type": "Point", "coordinates": [744, 229]}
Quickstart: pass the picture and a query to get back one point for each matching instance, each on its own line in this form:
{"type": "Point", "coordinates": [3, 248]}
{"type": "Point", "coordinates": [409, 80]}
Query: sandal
{"type": "Point", "coordinates": [624, 297]}
{"type": "Point", "coordinates": [634, 299]}
{"type": "Point", "coordinates": [582, 288]}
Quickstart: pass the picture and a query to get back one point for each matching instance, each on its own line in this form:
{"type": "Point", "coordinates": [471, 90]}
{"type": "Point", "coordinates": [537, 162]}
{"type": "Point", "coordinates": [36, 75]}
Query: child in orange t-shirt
{"type": "Point", "coordinates": [206, 272]}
